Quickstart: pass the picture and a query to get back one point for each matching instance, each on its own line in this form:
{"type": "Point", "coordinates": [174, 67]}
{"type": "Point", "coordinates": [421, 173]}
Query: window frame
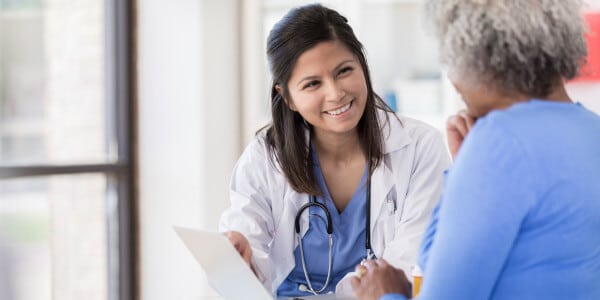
{"type": "Point", "coordinates": [120, 171]}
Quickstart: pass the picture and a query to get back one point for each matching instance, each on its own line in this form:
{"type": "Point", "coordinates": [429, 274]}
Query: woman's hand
{"type": "Point", "coordinates": [457, 128]}
{"type": "Point", "coordinates": [379, 278]}
{"type": "Point", "coordinates": [242, 246]}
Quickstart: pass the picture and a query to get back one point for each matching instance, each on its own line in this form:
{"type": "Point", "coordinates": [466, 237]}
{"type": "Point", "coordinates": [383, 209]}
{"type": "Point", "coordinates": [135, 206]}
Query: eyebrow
{"type": "Point", "coordinates": [341, 64]}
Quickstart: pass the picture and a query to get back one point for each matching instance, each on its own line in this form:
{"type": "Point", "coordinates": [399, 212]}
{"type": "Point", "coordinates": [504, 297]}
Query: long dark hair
{"type": "Point", "coordinates": [301, 29]}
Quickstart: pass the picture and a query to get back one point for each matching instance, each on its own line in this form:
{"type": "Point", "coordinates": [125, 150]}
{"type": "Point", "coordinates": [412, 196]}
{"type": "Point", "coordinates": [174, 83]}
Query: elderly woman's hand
{"type": "Point", "coordinates": [379, 278]}
{"type": "Point", "coordinates": [457, 128]}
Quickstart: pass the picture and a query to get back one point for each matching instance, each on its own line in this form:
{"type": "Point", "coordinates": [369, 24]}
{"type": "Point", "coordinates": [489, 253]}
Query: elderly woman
{"type": "Point", "coordinates": [520, 213]}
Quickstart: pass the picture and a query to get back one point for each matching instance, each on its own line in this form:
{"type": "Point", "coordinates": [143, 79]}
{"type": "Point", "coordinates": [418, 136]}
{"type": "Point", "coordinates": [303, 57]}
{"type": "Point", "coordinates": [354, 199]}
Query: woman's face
{"type": "Point", "coordinates": [479, 98]}
{"type": "Point", "coordinates": [328, 88]}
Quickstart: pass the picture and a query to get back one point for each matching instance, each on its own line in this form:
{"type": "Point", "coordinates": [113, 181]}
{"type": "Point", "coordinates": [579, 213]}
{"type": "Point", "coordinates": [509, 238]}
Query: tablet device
{"type": "Point", "coordinates": [225, 269]}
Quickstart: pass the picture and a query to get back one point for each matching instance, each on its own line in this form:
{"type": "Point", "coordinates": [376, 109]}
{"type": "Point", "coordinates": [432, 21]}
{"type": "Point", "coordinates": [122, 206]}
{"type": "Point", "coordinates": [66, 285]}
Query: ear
{"type": "Point", "coordinates": [289, 103]}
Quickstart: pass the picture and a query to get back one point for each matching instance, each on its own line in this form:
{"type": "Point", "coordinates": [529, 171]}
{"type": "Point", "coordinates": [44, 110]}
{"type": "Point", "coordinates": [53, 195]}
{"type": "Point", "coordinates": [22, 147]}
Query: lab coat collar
{"type": "Point", "coordinates": [394, 134]}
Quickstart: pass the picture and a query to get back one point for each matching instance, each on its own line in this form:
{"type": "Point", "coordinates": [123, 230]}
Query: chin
{"type": "Point", "coordinates": [476, 112]}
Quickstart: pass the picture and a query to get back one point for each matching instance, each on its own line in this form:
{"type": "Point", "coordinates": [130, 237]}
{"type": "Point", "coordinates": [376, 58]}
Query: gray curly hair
{"type": "Point", "coordinates": [515, 45]}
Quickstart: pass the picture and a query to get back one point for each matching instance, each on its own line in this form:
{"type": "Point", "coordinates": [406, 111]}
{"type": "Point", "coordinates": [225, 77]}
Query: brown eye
{"type": "Point", "coordinates": [311, 84]}
{"type": "Point", "coordinates": [345, 70]}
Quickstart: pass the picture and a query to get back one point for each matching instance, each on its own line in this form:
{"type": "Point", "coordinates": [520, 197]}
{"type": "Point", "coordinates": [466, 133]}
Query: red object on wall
{"type": "Point", "coordinates": [591, 70]}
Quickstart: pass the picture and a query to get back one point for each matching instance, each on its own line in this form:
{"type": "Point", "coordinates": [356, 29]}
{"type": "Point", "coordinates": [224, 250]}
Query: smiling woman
{"type": "Point", "coordinates": [336, 165]}
{"type": "Point", "coordinates": [327, 88]}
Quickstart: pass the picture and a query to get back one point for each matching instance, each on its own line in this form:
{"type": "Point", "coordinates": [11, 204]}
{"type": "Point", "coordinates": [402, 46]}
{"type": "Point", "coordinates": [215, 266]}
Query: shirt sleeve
{"type": "Point", "coordinates": [487, 196]}
{"type": "Point", "coordinates": [428, 237]}
{"type": "Point", "coordinates": [393, 297]}
{"type": "Point", "coordinates": [424, 189]}
{"type": "Point", "coordinates": [250, 212]}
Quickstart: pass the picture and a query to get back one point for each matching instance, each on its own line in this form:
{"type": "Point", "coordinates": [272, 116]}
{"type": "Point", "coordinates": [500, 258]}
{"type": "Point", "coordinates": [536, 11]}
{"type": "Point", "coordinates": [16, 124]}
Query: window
{"type": "Point", "coordinates": [66, 159]}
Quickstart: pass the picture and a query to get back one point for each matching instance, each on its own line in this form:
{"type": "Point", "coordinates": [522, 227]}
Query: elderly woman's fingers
{"type": "Point", "coordinates": [468, 119]}
{"type": "Point", "coordinates": [360, 271]}
{"type": "Point", "coordinates": [382, 262]}
{"type": "Point", "coordinates": [457, 128]}
{"type": "Point", "coordinates": [380, 278]}
{"type": "Point", "coordinates": [458, 124]}
{"type": "Point", "coordinates": [370, 264]}
{"type": "Point", "coordinates": [355, 282]}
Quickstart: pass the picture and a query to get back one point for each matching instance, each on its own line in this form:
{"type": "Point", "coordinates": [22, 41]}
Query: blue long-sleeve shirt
{"type": "Point", "coordinates": [520, 214]}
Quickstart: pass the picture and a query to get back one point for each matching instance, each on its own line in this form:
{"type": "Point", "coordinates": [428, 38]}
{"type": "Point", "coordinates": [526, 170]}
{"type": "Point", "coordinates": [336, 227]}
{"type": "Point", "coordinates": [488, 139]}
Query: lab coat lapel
{"type": "Point", "coordinates": [383, 178]}
{"type": "Point", "coordinates": [382, 182]}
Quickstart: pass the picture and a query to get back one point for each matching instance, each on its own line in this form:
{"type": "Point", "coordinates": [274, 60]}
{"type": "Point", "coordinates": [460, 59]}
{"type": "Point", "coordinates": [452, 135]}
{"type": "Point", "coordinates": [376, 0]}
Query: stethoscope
{"type": "Point", "coordinates": [313, 202]}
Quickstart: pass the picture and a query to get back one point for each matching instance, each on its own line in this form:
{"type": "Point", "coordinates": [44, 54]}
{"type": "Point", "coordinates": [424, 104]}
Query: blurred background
{"type": "Point", "coordinates": [122, 118]}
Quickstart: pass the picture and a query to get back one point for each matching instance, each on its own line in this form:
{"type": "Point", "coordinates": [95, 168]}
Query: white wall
{"type": "Point", "coordinates": [189, 133]}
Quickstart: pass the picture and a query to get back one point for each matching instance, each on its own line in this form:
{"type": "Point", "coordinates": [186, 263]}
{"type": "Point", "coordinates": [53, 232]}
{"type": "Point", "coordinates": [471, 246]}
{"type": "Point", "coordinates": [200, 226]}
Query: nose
{"type": "Point", "coordinates": [334, 91]}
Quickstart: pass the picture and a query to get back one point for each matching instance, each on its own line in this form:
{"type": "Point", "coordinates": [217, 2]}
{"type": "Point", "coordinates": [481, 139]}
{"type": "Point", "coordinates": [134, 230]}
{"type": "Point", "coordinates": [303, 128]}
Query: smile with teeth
{"type": "Point", "coordinates": [340, 110]}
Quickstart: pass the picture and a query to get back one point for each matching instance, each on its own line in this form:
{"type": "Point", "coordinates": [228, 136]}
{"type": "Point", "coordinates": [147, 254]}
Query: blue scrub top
{"type": "Point", "coordinates": [348, 241]}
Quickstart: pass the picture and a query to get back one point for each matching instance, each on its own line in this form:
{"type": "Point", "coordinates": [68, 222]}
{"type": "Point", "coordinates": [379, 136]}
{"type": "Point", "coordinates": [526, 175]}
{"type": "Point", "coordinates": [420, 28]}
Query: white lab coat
{"type": "Point", "coordinates": [404, 190]}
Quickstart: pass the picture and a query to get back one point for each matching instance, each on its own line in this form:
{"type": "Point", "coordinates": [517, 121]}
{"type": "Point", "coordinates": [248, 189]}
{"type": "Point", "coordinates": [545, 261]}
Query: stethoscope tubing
{"type": "Point", "coordinates": [313, 202]}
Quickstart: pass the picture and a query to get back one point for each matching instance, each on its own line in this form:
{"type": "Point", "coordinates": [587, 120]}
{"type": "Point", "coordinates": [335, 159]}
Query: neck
{"type": "Point", "coordinates": [337, 147]}
{"type": "Point", "coordinates": [557, 94]}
